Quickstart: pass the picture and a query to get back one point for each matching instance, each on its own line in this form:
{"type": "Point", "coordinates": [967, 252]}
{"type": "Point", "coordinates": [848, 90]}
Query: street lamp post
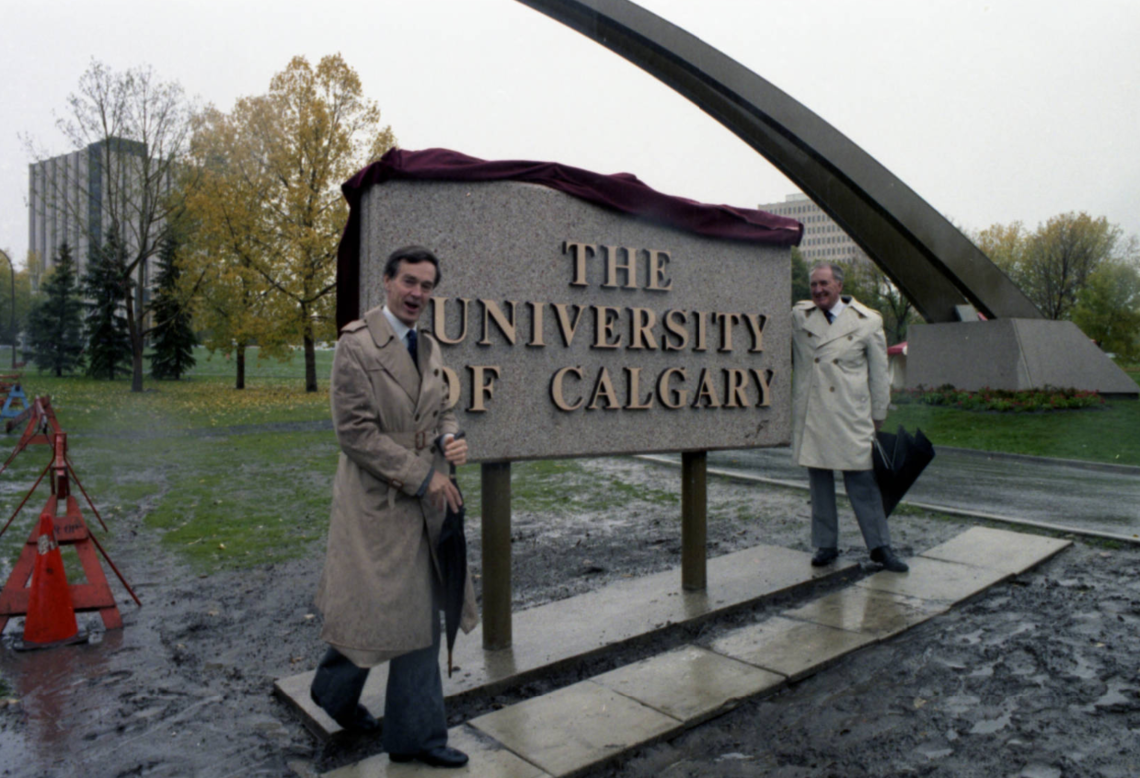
{"type": "Point", "coordinates": [12, 270]}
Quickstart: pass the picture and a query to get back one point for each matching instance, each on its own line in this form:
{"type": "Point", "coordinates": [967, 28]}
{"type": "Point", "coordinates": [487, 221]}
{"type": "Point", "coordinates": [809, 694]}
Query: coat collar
{"type": "Point", "coordinates": [393, 355]}
{"type": "Point", "coordinates": [815, 321]}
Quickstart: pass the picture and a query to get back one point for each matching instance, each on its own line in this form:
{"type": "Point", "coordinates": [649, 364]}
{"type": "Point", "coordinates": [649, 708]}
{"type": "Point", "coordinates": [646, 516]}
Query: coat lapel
{"type": "Point", "coordinates": [816, 323]}
{"type": "Point", "coordinates": [393, 355]}
{"type": "Point", "coordinates": [425, 351]}
{"type": "Point", "coordinates": [845, 324]}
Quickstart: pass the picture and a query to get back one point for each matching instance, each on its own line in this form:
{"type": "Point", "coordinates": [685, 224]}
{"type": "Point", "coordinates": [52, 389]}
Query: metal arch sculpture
{"type": "Point", "coordinates": [926, 256]}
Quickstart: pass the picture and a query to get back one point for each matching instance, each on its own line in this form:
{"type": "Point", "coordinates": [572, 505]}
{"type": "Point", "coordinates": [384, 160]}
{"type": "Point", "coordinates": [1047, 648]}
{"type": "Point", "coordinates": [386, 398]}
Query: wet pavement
{"type": "Point", "coordinates": [587, 724]}
{"type": "Point", "coordinates": [1084, 497]}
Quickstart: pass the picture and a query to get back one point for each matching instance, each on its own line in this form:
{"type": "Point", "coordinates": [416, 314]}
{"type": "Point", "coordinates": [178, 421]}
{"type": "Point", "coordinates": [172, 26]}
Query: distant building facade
{"type": "Point", "coordinates": [824, 240]}
{"type": "Point", "coordinates": [66, 202]}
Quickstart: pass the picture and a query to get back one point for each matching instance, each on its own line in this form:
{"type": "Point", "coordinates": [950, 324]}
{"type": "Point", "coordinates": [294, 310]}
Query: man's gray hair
{"type": "Point", "coordinates": [836, 270]}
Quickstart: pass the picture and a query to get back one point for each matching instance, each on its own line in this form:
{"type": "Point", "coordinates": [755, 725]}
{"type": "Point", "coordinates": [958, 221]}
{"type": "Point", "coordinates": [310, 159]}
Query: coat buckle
{"type": "Point", "coordinates": [421, 440]}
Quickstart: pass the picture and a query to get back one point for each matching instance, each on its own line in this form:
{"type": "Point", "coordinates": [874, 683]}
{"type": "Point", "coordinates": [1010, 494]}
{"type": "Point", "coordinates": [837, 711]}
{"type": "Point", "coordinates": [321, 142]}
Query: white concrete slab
{"type": "Point", "coordinates": [690, 684]}
{"type": "Point", "coordinates": [859, 609]}
{"type": "Point", "coordinates": [935, 581]}
{"type": "Point", "coordinates": [998, 549]}
{"type": "Point", "coordinates": [488, 760]}
{"type": "Point", "coordinates": [574, 728]}
{"type": "Point", "coordinates": [792, 648]}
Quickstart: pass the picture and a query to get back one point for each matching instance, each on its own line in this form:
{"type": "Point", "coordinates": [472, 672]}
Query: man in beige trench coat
{"type": "Point", "coordinates": [378, 592]}
{"type": "Point", "coordinates": [840, 394]}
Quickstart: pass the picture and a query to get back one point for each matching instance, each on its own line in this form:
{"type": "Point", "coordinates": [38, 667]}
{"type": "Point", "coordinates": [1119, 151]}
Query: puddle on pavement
{"type": "Point", "coordinates": [53, 688]}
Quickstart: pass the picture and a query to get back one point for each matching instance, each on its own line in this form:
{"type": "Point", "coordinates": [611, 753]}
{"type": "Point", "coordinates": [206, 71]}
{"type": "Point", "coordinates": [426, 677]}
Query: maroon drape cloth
{"type": "Point", "coordinates": [621, 191]}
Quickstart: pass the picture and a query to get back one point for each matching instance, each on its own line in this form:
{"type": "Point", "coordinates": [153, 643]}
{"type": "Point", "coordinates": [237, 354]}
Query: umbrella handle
{"type": "Point", "coordinates": [457, 436]}
{"type": "Point", "coordinates": [882, 452]}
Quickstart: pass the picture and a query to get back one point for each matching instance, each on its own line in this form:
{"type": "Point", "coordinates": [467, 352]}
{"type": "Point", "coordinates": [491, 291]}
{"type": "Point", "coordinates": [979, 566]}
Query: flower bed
{"type": "Point", "coordinates": [1001, 400]}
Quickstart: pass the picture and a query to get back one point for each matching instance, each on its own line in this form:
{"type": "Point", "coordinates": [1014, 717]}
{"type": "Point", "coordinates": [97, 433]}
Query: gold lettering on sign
{"type": "Point", "coordinates": [675, 324]}
{"type": "Point", "coordinates": [635, 403]}
{"type": "Point", "coordinates": [577, 388]}
{"type": "Point", "coordinates": [604, 388]}
{"type": "Point", "coordinates": [579, 251]}
{"type": "Point", "coordinates": [612, 267]}
{"type": "Point", "coordinates": [702, 331]}
{"type": "Point", "coordinates": [491, 310]}
{"type": "Point", "coordinates": [536, 324]}
{"type": "Point", "coordinates": [556, 389]}
{"type": "Point", "coordinates": [734, 394]}
{"type": "Point", "coordinates": [706, 391]}
{"type": "Point", "coordinates": [605, 317]}
{"type": "Point", "coordinates": [565, 328]}
{"type": "Point", "coordinates": [439, 320]}
{"type": "Point", "coordinates": [756, 324]}
{"type": "Point", "coordinates": [727, 322]}
{"type": "Point", "coordinates": [641, 324]}
{"type": "Point", "coordinates": [453, 388]}
{"type": "Point", "coordinates": [482, 386]}
{"type": "Point", "coordinates": [763, 382]}
{"type": "Point", "coordinates": [656, 267]}
{"type": "Point", "coordinates": [670, 397]}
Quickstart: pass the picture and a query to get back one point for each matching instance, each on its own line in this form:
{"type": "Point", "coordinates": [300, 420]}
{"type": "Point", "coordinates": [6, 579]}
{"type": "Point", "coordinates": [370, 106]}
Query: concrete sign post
{"type": "Point", "coordinates": [571, 330]}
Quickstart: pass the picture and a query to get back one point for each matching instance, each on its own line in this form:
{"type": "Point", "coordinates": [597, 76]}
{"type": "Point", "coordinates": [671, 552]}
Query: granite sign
{"type": "Point", "coordinates": [570, 330]}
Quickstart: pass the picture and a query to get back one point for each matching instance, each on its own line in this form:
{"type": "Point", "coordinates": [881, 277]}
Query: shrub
{"type": "Point", "coordinates": [1001, 400]}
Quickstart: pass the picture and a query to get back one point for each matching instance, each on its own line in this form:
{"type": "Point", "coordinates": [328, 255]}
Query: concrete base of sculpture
{"type": "Point", "coordinates": [1011, 354]}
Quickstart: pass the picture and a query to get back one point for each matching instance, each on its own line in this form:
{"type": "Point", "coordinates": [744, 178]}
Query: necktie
{"type": "Point", "coordinates": [412, 348]}
{"type": "Point", "coordinates": [830, 316]}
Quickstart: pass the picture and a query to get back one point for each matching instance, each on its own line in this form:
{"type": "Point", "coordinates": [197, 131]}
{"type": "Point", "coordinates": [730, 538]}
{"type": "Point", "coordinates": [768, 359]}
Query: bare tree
{"type": "Point", "coordinates": [135, 129]}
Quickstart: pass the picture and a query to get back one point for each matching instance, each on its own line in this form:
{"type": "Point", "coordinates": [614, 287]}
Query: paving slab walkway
{"type": "Point", "coordinates": [550, 636]}
{"type": "Point", "coordinates": [578, 727]}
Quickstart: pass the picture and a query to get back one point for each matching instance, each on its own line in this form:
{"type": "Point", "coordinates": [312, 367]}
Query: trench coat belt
{"type": "Point", "coordinates": [413, 441]}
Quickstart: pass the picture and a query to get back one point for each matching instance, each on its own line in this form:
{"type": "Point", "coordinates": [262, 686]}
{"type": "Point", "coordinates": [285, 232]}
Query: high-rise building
{"type": "Point", "coordinates": [66, 200]}
{"type": "Point", "coordinates": [824, 240]}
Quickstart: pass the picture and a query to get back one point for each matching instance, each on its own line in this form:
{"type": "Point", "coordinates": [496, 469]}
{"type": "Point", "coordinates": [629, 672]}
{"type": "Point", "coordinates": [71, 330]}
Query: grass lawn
{"type": "Point", "coordinates": [222, 498]}
{"type": "Point", "coordinates": [1106, 434]}
{"type": "Point", "coordinates": [225, 498]}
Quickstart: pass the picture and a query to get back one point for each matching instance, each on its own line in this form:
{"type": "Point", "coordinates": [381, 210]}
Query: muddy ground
{"type": "Point", "coordinates": [1037, 677]}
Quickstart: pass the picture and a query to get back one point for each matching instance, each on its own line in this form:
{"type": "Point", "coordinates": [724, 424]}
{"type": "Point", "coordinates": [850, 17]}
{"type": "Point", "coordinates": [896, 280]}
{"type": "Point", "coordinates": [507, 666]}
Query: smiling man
{"type": "Point", "coordinates": [379, 589]}
{"type": "Point", "coordinates": [840, 394]}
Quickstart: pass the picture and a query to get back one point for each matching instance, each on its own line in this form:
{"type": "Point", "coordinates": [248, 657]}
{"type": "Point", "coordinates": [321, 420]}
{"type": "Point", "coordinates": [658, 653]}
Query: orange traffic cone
{"type": "Point", "coordinates": [51, 616]}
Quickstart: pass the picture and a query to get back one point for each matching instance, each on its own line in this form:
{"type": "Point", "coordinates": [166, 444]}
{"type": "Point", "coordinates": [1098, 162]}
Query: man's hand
{"type": "Point", "coordinates": [442, 492]}
{"type": "Point", "coordinates": [455, 451]}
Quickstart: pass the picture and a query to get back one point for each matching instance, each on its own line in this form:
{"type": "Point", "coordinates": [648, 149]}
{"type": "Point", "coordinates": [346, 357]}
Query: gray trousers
{"type": "Point", "coordinates": [866, 500]}
{"type": "Point", "coordinates": [414, 716]}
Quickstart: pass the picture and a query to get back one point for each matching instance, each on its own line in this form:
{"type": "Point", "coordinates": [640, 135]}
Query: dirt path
{"type": "Point", "coordinates": [1037, 677]}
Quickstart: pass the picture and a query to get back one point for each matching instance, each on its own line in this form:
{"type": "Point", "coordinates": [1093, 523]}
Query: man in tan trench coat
{"type": "Point", "coordinates": [378, 591]}
{"type": "Point", "coordinates": [840, 394]}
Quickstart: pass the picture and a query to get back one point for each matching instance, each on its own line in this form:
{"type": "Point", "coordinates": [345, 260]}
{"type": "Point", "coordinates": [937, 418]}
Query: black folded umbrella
{"type": "Point", "coordinates": [451, 551]}
{"type": "Point", "coordinates": [899, 459]}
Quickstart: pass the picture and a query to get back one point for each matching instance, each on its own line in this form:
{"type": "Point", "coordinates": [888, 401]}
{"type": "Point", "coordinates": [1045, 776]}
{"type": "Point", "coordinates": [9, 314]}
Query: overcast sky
{"type": "Point", "coordinates": [991, 111]}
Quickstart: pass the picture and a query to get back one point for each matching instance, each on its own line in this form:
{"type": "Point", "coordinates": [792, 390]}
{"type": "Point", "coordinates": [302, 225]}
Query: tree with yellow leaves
{"type": "Point", "coordinates": [230, 297]}
{"type": "Point", "coordinates": [1053, 264]}
{"type": "Point", "coordinates": [271, 174]}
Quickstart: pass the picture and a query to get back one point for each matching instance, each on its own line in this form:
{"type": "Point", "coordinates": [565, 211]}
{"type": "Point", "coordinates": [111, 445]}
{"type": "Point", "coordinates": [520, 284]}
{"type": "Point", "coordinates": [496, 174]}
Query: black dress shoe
{"type": "Point", "coordinates": [361, 721]}
{"type": "Point", "coordinates": [824, 556]}
{"type": "Point", "coordinates": [440, 756]}
{"type": "Point", "coordinates": [885, 557]}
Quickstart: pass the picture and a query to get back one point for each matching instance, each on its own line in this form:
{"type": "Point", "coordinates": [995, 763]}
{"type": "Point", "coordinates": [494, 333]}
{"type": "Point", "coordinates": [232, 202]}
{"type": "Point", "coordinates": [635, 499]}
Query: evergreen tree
{"type": "Point", "coordinates": [106, 285]}
{"type": "Point", "coordinates": [172, 336]}
{"type": "Point", "coordinates": [55, 323]}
